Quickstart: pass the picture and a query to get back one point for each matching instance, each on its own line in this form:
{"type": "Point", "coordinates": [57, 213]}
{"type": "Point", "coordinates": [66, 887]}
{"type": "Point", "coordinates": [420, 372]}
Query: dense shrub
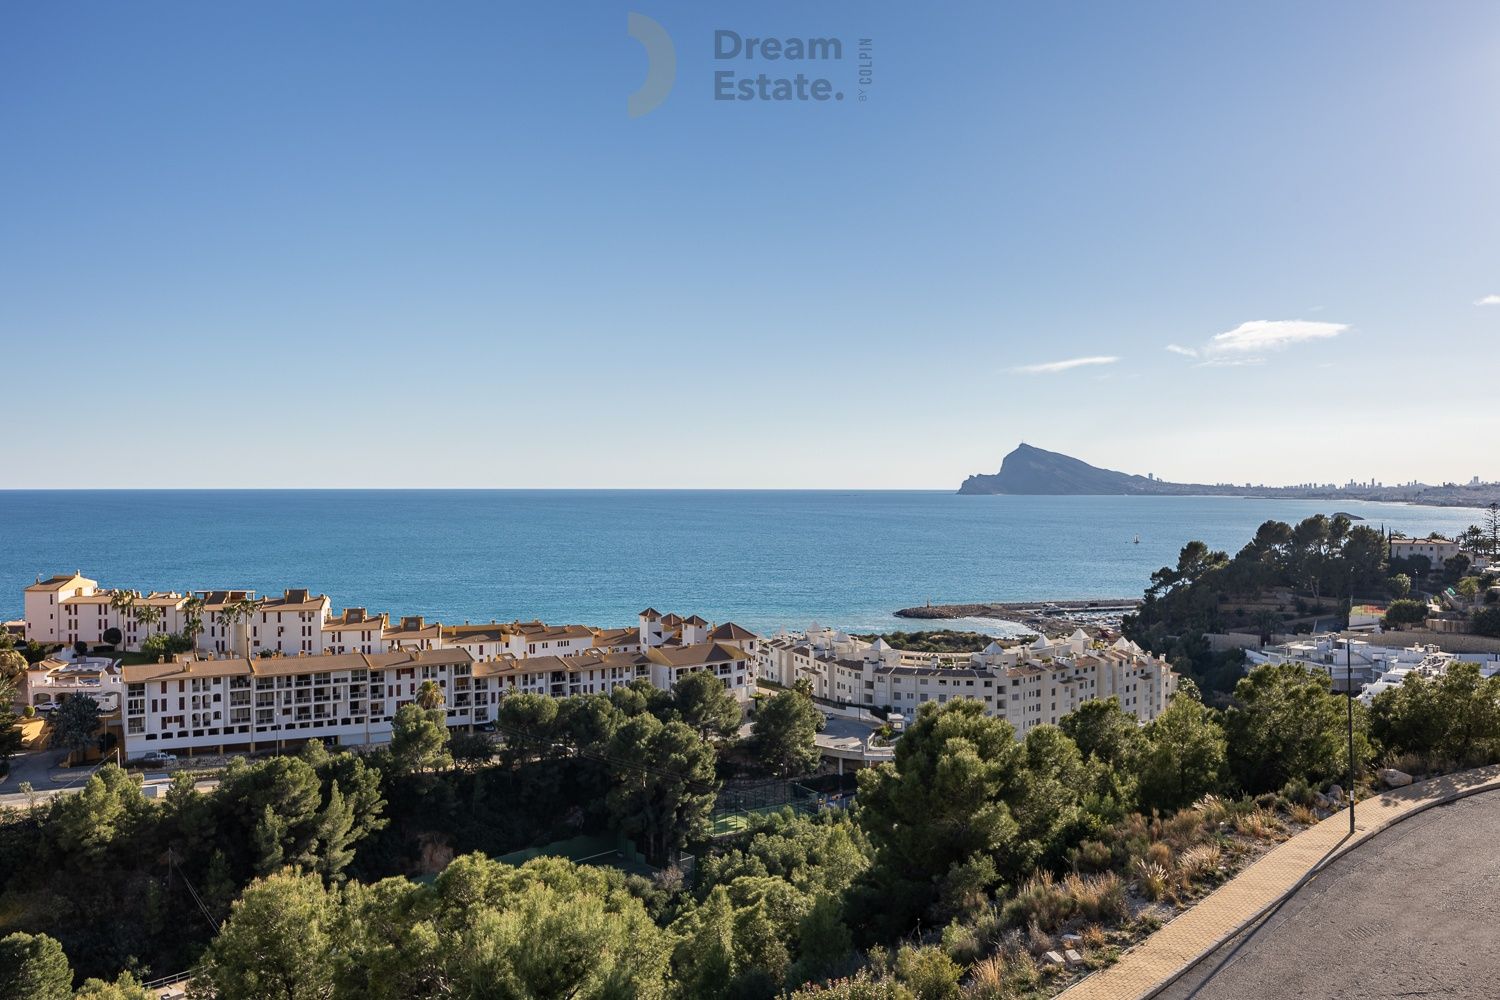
{"type": "Point", "coordinates": [1453, 719]}
{"type": "Point", "coordinates": [1487, 621]}
{"type": "Point", "coordinates": [1404, 612]}
{"type": "Point", "coordinates": [1287, 724]}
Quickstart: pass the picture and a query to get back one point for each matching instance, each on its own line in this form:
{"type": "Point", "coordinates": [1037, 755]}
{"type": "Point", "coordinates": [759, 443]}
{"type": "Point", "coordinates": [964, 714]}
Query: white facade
{"type": "Point", "coordinates": [238, 703]}
{"type": "Point", "coordinates": [1027, 685]}
{"type": "Point", "coordinates": [287, 669]}
{"type": "Point", "coordinates": [51, 682]}
{"type": "Point", "coordinates": [290, 625]}
{"type": "Point", "coordinates": [234, 703]}
{"type": "Point", "coordinates": [71, 608]}
{"type": "Point", "coordinates": [45, 616]}
{"type": "Point", "coordinates": [1372, 668]}
{"type": "Point", "coordinates": [354, 630]}
{"type": "Point", "coordinates": [1437, 550]}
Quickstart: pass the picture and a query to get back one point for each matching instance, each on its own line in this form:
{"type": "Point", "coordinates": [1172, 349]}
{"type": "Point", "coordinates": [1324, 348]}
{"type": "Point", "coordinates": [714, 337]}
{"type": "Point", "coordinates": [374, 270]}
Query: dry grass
{"type": "Point", "coordinates": [1199, 863]}
{"type": "Point", "coordinates": [1414, 764]}
{"type": "Point", "coordinates": [1098, 897]}
{"type": "Point", "coordinates": [1040, 901]}
{"type": "Point", "coordinates": [1134, 827]}
{"type": "Point", "coordinates": [1094, 937]}
{"type": "Point", "coordinates": [1259, 824]}
{"type": "Point", "coordinates": [1038, 941]}
{"type": "Point", "coordinates": [987, 980]}
{"type": "Point", "coordinates": [1004, 975]}
{"type": "Point", "coordinates": [1160, 853]}
{"type": "Point", "coordinates": [1304, 815]}
{"type": "Point", "coordinates": [1151, 880]}
{"type": "Point", "coordinates": [1182, 829]}
{"type": "Point", "coordinates": [1212, 810]}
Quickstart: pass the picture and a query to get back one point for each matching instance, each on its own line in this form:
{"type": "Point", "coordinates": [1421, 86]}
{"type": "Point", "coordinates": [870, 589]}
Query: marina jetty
{"type": "Point", "coordinates": [1043, 616]}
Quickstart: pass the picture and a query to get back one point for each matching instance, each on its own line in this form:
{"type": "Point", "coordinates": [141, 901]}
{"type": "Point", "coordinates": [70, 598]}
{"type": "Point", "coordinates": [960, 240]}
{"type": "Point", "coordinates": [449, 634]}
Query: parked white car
{"type": "Point", "coordinates": [158, 758]}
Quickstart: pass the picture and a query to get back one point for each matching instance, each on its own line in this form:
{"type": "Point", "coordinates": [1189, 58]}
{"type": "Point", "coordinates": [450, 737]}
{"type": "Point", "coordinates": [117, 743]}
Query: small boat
{"type": "Point", "coordinates": [1137, 539]}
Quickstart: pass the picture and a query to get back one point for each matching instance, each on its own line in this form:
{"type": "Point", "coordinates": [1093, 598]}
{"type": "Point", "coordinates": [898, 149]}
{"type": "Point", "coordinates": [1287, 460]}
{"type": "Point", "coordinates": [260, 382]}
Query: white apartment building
{"type": "Point", "coordinates": [1027, 685]}
{"type": "Point", "coordinates": [46, 618]}
{"type": "Point", "coordinates": [518, 639]}
{"type": "Point", "coordinates": [1372, 668]}
{"type": "Point", "coordinates": [235, 703]}
{"type": "Point", "coordinates": [600, 672]}
{"type": "Point", "coordinates": [222, 633]}
{"type": "Point", "coordinates": [285, 669]}
{"type": "Point", "coordinates": [355, 630]}
{"type": "Point", "coordinates": [413, 632]}
{"type": "Point", "coordinates": [71, 608]}
{"type": "Point", "coordinates": [290, 625]}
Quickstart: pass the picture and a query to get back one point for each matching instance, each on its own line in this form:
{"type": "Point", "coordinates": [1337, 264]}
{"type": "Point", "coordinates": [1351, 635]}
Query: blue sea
{"type": "Point", "coordinates": [761, 558]}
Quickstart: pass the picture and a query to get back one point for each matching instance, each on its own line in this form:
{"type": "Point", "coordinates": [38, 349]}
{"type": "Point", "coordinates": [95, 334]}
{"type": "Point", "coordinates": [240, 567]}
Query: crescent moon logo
{"type": "Point", "coordinates": [661, 64]}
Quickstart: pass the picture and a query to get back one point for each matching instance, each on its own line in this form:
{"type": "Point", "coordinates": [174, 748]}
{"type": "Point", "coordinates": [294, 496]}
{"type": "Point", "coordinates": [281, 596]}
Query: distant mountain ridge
{"type": "Point", "coordinates": [1031, 471]}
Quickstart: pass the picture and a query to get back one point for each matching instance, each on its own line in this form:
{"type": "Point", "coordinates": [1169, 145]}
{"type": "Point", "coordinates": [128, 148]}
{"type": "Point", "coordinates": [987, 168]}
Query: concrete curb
{"type": "Point", "coordinates": [1344, 847]}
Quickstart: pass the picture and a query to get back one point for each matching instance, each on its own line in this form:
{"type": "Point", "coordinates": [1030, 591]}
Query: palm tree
{"type": "Point", "coordinates": [240, 611]}
{"type": "Point", "coordinates": [430, 696]}
{"type": "Point", "coordinates": [147, 615]}
{"type": "Point", "coordinates": [122, 601]}
{"type": "Point", "coordinates": [192, 619]}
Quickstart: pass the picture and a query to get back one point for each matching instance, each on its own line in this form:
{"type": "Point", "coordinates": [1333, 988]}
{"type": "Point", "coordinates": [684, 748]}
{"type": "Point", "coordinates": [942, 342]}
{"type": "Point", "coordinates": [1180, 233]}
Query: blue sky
{"type": "Point", "coordinates": [399, 244]}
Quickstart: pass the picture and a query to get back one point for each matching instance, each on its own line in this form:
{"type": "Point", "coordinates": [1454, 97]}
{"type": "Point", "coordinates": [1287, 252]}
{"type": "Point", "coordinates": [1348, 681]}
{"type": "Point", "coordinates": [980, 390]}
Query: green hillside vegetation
{"type": "Point", "coordinates": [960, 863]}
{"type": "Point", "coordinates": [1286, 578]}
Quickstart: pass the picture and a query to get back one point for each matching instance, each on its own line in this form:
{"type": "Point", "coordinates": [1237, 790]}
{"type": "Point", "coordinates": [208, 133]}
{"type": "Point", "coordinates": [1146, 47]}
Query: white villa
{"type": "Point", "coordinates": [52, 681]}
{"type": "Point", "coordinates": [1371, 668]}
{"type": "Point", "coordinates": [1436, 550]}
{"type": "Point", "coordinates": [1027, 685]}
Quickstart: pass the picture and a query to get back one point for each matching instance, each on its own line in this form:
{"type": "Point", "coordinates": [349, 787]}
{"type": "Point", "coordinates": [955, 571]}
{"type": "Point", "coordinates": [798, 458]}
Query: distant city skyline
{"type": "Point", "coordinates": [379, 245]}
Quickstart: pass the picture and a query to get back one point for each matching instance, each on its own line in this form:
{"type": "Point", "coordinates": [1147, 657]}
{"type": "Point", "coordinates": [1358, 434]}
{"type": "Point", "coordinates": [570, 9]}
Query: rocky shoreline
{"type": "Point", "coordinates": [1048, 617]}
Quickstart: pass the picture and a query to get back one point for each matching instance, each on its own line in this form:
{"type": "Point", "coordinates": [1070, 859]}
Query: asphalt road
{"type": "Point", "coordinates": [38, 768]}
{"type": "Point", "coordinates": [1414, 912]}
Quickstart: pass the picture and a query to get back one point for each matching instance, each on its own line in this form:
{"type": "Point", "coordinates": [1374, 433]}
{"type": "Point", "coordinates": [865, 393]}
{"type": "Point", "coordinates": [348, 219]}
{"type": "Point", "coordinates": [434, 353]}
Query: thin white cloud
{"type": "Point", "coordinates": [1053, 367]}
{"type": "Point", "coordinates": [1488, 300]}
{"type": "Point", "coordinates": [1248, 343]}
{"type": "Point", "coordinates": [1271, 335]}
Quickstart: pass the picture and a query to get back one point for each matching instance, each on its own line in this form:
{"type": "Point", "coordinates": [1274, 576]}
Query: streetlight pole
{"type": "Point", "coordinates": [1349, 693]}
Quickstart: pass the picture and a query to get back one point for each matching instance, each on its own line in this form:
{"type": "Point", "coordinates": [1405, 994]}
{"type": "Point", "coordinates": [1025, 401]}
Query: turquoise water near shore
{"type": "Point", "coordinates": [762, 558]}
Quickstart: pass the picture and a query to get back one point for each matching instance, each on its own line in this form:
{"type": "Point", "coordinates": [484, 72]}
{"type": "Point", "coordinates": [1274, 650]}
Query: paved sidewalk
{"type": "Point", "coordinates": [1157, 960]}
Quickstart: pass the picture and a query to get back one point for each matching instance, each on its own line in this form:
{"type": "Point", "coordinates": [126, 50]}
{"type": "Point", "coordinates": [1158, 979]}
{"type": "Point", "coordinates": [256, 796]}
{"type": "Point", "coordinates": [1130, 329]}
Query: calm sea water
{"type": "Point", "coordinates": [764, 559]}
